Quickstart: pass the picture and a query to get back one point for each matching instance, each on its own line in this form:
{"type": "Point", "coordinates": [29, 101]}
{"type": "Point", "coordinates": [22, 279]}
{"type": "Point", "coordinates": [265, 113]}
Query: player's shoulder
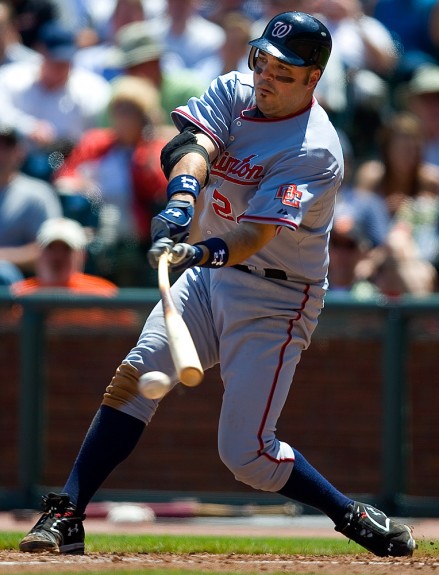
{"type": "Point", "coordinates": [237, 87]}
{"type": "Point", "coordinates": [318, 124]}
{"type": "Point", "coordinates": [321, 140]}
{"type": "Point", "coordinates": [236, 80]}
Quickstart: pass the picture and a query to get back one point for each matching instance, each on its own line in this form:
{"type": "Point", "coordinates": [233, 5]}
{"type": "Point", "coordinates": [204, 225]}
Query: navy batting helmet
{"type": "Point", "coordinates": [296, 38]}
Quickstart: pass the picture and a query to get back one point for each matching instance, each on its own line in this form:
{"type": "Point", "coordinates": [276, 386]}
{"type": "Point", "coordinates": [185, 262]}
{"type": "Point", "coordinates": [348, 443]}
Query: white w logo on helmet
{"type": "Point", "coordinates": [280, 30]}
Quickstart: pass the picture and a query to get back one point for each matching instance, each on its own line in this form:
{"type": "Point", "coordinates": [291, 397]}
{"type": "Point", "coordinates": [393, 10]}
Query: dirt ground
{"type": "Point", "coordinates": [15, 562]}
{"type": "Point", "coordinates": [427, 531]}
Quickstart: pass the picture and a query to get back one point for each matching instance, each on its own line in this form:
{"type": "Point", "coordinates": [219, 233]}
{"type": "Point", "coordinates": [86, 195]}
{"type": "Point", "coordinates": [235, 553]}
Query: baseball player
{"type": "Point", "coordinates": [253, 176]}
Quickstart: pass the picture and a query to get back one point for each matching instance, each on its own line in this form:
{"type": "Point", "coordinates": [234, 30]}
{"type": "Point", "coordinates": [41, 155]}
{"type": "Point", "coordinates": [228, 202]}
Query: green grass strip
{"type": "Point", "coordinates": [101, 543]}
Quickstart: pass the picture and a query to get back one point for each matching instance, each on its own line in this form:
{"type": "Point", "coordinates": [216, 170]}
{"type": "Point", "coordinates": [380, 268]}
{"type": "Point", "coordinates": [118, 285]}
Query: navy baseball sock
{"type": "Point", "coordinates": [110, 439]}
{"type": "Point", "coordinates": [307, 486]}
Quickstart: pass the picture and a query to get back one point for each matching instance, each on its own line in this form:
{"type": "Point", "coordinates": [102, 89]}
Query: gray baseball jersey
{"type": "Point", "coordinates": [283, 172]}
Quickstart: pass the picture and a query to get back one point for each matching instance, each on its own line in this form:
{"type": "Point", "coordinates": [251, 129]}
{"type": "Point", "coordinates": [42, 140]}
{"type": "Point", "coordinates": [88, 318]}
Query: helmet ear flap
{"type": "Point", "coordinates": [252, 57]}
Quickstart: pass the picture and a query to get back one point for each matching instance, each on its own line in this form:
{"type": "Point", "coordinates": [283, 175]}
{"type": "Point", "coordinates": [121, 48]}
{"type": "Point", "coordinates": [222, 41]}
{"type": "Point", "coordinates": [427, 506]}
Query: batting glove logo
{"type": "Point", "coordinates": [174, 215]}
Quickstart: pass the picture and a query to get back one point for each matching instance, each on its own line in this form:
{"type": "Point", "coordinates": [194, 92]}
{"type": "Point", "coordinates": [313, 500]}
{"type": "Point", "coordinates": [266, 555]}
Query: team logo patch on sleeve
{"type": "Point", "coordinates": [289, 195]}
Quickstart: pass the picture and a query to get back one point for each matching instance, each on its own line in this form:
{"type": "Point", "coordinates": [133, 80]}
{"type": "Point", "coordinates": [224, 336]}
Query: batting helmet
{"type": "Point", "coordinates": [296, 38]}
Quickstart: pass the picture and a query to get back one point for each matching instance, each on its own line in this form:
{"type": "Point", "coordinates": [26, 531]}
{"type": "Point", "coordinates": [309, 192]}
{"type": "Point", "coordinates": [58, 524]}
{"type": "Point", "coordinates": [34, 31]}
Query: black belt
{"type": "Point", "coordinates": [266, 272]}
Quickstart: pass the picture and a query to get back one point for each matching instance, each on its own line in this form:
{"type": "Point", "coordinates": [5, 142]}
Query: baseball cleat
{"type": "Point", "coordinates": [59, 529]}
{"type": "Point", "coordinates": [372, 529]}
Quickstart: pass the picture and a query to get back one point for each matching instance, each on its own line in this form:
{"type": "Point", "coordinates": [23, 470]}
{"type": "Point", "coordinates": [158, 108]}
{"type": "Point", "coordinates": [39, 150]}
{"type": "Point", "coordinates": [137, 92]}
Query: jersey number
{"type": "Point", "coordinates": [221, 206]}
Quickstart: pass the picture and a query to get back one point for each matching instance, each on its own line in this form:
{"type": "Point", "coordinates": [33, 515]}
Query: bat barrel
{"type": "Point", "coordinates": [191, 376]}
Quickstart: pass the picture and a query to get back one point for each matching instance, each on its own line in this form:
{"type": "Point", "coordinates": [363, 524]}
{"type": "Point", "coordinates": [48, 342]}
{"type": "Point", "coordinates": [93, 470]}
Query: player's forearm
{"type": "Point", "coordinates": [246, 240]}
{"type": "Point", "coordinates": [193, 164]}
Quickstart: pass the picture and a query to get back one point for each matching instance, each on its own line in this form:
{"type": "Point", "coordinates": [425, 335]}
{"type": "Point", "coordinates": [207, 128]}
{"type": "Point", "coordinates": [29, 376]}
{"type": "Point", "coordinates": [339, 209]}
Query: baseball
{"type": "Point", "coordinates": [154, 384]}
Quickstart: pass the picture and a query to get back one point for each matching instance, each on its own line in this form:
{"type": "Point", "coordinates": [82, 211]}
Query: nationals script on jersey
{"type": "Point", "coordinates": [284, 172]}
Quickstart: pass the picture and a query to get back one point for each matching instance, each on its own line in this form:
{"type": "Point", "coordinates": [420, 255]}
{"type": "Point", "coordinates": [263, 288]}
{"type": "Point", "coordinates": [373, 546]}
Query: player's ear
{"type": "Point", "coordinates": [314, 77]}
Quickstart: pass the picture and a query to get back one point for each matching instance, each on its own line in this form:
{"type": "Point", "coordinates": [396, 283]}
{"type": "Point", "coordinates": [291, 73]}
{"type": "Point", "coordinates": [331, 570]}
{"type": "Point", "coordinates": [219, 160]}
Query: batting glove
{"type": "Point", "coordinates": [173, 222]}
{"type": "Point", "coordinates": [157, 249]}
{"type": "Point", "coordinates": [184, 256]}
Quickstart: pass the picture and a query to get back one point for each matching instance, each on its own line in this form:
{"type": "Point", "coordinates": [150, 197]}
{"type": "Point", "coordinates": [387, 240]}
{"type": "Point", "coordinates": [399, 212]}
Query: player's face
{"type": "Point", "coordinates": [282, 89]}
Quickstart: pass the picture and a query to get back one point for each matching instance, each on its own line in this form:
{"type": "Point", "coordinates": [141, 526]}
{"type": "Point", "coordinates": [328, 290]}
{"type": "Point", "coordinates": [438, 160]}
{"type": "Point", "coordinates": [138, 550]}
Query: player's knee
{"type": "Point", "coordinates": [244, 464]}
{"type": "Point", "coordinates": [122, 393]}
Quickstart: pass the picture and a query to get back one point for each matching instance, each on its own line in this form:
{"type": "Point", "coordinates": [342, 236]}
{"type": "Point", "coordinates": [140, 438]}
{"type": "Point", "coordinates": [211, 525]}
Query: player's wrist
{"type": "Point", "coordinates": [215, 253]}
{"type": "Point", "coordinates": [183, 184]}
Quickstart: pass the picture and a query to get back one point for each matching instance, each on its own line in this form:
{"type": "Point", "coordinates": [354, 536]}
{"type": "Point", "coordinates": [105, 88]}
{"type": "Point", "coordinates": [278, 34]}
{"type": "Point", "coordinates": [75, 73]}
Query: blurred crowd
{"type": "Point", "coordinates": [86, 91]}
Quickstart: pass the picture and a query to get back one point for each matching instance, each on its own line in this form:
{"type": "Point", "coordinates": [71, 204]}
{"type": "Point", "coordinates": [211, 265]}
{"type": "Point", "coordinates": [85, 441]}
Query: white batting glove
{"type": "Point", "coordinates": [157, 249]}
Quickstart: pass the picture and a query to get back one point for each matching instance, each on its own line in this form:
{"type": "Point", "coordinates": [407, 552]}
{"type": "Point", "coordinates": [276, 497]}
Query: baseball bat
{"type": "Point", "coordinates": [184, 355]}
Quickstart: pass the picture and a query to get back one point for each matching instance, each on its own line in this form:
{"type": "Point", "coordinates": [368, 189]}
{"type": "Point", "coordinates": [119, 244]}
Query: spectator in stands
{"type": "Point", "coordinates": [408, 189]}
{"type": "Point", "coordinates": [233, 54]}
{"type": "Point", "coordinates": [348, 246]}
{"type": "Point", "coordinates": [60, 267]}
{"type": "Point", "coordinates": [421, 97]}
{"type": "Point", "coordinates": [111, 15]}
{"type": "Point", "coordinates": [11, 47]}
{"type": "Point", "coordinates": [77, 16]}
{"type": "Point", "coordinates": [25, 203]}
{"type": "Point", "coordinates": [369, 56]}
{"type": "Point", "coordinates": [190, 41]}
{"type": "Point", "coordinates": [30, 16]}
{"type": "Point", "coordinates": [118, 169]}
{"type": "Point", "coordinates": [360, 224]}
{"type": "Point", "coordinates": [98, 58]}
{"type": "Point", "coordinates": [62, 243]}
{"type": "Point", "coordinates": [51, 102]}
{"type": "Point", "coordinates": [140, 54]}
{"type": "Point", "coordinates": [270, 8]}
{"type": "Point", "coordinates": [414, 25]}
{"type": "Point", "coordinates": [363, 41]}
{"type": "Point", "coordinates": [217, 11]}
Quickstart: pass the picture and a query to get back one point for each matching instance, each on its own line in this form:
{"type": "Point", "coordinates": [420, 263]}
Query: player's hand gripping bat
{"type": "Point", "coordinates": [184, 355]}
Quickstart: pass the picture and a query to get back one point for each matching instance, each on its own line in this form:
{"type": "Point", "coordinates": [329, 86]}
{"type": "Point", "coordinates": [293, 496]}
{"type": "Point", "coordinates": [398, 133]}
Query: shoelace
{"type": "Point", "coordinates": [57, 506]}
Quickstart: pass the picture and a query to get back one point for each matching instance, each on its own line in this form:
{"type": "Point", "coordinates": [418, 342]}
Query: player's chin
{"type": "Point", "coordinates": [264, 105]}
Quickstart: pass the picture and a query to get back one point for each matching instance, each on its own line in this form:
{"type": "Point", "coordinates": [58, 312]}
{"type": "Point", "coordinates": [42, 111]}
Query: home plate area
{"type": "Point", "coordinates": [15, 562]}
{"type": "Point", "coordinates": [136, 519]}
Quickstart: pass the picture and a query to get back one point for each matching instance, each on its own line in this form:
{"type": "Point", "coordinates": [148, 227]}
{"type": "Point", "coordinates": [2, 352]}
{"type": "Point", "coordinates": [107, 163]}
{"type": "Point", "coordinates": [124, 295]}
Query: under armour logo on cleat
{"type": "Point", "coordinates": [72, 530]}
{"type": "Point", "coordinates": [386, 526]}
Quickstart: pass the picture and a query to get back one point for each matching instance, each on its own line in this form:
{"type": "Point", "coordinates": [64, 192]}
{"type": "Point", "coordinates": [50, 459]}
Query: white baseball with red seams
{"type": "Point", "coordinates": [154, 384]}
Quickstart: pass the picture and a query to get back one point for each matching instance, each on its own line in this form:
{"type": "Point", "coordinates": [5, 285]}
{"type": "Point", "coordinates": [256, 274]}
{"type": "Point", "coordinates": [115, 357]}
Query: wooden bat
{"type": "Point", "coordinates": [184, 355]}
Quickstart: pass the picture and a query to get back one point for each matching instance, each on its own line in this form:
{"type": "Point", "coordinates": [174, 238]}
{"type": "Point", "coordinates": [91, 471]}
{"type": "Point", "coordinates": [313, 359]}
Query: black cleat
{"type": "Point", "coordinates": [372, 529]}
{"type": "Point", "coordinates": [59, 529]}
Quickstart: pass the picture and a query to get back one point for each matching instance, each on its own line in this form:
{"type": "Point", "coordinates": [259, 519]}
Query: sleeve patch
{"type": "Point", "coordinates": [289, 195]}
